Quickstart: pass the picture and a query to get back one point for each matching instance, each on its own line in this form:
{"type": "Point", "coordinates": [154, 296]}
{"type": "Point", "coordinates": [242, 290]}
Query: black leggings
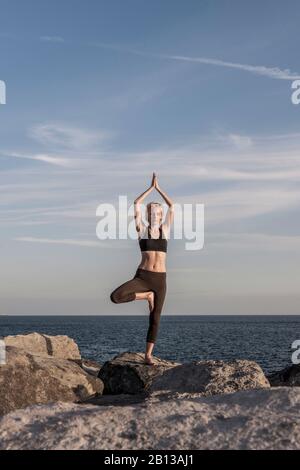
{"type": "Point", "coordinates": [144, 281]}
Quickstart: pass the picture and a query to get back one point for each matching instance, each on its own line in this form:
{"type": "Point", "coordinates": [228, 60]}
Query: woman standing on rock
{"type": "Point", "coordinates": [149, 281]}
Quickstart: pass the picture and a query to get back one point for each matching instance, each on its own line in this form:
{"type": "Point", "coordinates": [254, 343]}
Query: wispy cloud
{"type": "Point", "coordinates": [271, 72]}
{"type": "Point", "coordinates": [236, 176]}
{"type": "Point", "coordinates": [63, 136]}
{"type": "Point", "coordinates": [62, 241]}
{"type": "Point", "coordinates": [52, 39]}
{"type": "Point", "coordinates": [263, 70]}
{"type": "Point", "coordinates": [240, 141]}
{"type": "Point", "coordinates": [56, 161]}
{"type": "Point", "coordinates": [66, 146]}
{"type": "Point", "coordinates": [255, 241]}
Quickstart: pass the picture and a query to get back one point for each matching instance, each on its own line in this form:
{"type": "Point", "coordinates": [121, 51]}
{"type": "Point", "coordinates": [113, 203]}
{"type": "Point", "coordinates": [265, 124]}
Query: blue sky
{"type": "Point", "coordinates": [100, 95]}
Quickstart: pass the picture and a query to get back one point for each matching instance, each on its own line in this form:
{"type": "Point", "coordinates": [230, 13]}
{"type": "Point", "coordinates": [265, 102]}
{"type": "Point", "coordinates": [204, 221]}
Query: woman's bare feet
{"type": "Point", "coordinates": [149, 361]}
{"type": "Point", "coordinates": [148, 353]}
{"type": "Point", "coordinates": [149, 295]}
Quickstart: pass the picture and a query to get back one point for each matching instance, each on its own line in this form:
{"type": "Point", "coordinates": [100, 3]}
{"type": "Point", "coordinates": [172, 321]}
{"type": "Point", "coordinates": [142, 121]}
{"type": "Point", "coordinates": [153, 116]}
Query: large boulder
{"type": "Point", "coordinates": [289, 377]}
{"type": "Point", "coordinates": [252, 419]}
{"type": "Point", "coordinates": [59, 346]}
{"type": "Point", "coordinates": [28, 379]}
{"type": "Point", "coordinates": [210, 378]}
{"type": "Point", "coordinates": [127, 373]}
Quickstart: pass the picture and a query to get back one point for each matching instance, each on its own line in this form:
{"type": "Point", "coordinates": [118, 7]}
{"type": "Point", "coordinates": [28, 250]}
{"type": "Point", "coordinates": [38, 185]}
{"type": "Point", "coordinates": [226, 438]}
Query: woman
{"type": "Point", "coordinates": [149, 282]}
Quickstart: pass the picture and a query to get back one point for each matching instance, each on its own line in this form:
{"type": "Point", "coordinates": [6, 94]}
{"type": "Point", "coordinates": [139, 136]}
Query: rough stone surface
{"type": "Point", "coordinates": [127, 373]}
{"type": "Point", "coordinates": [289, 376]}
{"type": "Point", "coordinates": [251, 419]}
{"type": "Point", "coordinates": [209, 378]}
{"type": "Point", "coordinates": [122, 399]}
{"type": "Point", "coordinates": [91, 367]}
{"type": "Point", "coordinates": [30, 379]}
{"type": "Point", "coordinates": [55, 346]}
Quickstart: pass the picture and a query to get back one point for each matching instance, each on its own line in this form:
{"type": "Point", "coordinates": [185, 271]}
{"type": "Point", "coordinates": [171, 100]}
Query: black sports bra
{"type": "Point", "coordinates": [153, 244]}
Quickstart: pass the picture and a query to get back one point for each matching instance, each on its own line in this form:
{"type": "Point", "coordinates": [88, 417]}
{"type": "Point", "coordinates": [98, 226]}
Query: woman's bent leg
{"type": "Point", "coordinates": [126, 291]}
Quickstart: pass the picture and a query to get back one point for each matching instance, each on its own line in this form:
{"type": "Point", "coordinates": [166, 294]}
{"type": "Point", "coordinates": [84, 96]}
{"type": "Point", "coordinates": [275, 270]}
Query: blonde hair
{"type": "Point", "coordinates": [148, 210]}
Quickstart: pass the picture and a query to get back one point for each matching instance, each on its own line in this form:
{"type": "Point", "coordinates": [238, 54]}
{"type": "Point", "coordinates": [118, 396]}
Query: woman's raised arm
{"type": "Point", "coordinates": [137, 206]}
{"type": "Point", "coordinates": [170, 213]}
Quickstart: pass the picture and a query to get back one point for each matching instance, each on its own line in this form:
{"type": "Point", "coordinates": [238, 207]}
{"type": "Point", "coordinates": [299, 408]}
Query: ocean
{"type": "Point", "coordinates": [264, 339]}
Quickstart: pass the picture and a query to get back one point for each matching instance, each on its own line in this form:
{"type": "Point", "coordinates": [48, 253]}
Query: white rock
{"type": "Point", "coordinates": [59, 346]}
{"type": "Point", "coordinates": [251, 419]}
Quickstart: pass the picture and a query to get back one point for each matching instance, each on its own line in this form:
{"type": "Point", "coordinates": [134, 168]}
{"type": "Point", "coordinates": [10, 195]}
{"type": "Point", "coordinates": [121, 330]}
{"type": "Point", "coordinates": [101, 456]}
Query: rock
{"type": "Point", "coordinates": [28, 379]}
{"type": "Point", "coordinates": [122, 399]}
{"type": "Point", "coordinates": [265, 419]}
{"type": "Point", "coordinates": [91, 363]}
{"type": "Point", "coordinates": [210, 378]}
{"type": "Point", "coordinates": [91, 367]}
{"type": "Point", "coordinates": [127, 373]}
{"type": "Point", "coordinates": [55, 346]}
{"type": "Point", "coordinates": [289, 376]}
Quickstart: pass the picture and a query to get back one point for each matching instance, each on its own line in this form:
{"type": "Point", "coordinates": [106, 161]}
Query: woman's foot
{"type": "Point", "coordinates": [150, 299]}
{"type": "Point", "coordinates": [149, 361]}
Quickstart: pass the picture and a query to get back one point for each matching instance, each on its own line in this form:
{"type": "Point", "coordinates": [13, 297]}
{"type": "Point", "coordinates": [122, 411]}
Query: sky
{"type": "Point", "coordinates": [101, 94]}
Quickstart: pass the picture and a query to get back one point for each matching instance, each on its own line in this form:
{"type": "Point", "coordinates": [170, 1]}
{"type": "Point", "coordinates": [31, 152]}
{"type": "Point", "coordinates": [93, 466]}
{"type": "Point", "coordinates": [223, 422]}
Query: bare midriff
{"type": "Point", "coordinates": [153, 261]}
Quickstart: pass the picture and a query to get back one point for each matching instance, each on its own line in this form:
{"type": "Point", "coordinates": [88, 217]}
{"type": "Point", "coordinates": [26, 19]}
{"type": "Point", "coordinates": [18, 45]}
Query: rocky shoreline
{"type": "Point", "coordinates": [52, 398]}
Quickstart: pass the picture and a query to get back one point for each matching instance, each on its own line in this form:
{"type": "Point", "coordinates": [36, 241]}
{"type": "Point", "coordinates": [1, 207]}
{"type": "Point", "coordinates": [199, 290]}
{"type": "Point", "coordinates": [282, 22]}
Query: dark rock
{"type": "Point", "coordinates": [289, 377]}
{"type": "Point", "coordinates": [127, 373]}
